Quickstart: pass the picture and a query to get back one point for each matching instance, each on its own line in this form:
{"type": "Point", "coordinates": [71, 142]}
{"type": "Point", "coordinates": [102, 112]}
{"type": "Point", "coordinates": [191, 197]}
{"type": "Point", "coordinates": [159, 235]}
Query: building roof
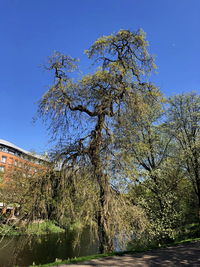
{"type": "Point", "coordinates": [8, 144]}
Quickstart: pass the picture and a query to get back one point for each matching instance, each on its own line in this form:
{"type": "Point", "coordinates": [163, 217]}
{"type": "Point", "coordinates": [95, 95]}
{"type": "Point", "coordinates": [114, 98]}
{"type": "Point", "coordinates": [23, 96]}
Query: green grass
{"type": "Point", "coordinates": [80, 259]}
{"type": "Point", "coordinates": [92, 257]}
{"type": "Point", "coordinates": [188, 231]}
{"type": "Point", "coordinates": [186, 241]}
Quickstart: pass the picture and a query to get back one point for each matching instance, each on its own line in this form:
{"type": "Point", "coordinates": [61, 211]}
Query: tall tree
{"type": "Point", "coordinates": [147, 152]}
{"type": "Point", "coordinates": [96, 101]}
{"type": "Point", "coordinates": [184, 118]}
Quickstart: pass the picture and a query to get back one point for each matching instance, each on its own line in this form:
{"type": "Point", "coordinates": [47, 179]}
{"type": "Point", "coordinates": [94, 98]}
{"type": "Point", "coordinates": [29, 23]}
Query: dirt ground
{"type": "Point", "coordinates": [181, 255]}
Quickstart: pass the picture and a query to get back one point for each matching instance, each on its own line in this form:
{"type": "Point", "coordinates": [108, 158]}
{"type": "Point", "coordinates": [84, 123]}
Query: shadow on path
{"type": "Point", "coordinates": [181, 255]}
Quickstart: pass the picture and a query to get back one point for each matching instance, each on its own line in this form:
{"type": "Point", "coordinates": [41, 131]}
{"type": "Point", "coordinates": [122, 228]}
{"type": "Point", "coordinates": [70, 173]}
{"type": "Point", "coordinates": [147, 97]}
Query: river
{"type": "Point", "coordinates": [25, 250]}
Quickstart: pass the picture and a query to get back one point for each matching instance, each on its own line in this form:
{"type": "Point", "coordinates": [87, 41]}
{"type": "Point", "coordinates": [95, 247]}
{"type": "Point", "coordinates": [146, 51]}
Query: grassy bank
{"type": "Point", "coordinates": [43, 228]}
{"type": "Point", "coordinates": [87, 258]}
{"type": "Point", "coordinates": [35, 228]}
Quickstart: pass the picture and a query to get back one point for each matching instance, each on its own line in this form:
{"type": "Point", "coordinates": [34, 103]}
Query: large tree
{"type": "Point", "coordinates": [184, 122]}
{"type": "Point", "coordinates": [92, 104]}
{"type": "Point", "coordinates": [147, 151]}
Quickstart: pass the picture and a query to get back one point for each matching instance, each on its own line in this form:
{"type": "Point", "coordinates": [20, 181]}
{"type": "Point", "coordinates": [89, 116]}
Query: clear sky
{"type": "Point", "coordinates": [30, 30]}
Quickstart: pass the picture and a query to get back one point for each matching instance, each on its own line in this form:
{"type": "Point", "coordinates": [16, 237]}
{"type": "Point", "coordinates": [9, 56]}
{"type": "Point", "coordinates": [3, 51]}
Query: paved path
{"type": "Point", "coordinates": [181, 255]}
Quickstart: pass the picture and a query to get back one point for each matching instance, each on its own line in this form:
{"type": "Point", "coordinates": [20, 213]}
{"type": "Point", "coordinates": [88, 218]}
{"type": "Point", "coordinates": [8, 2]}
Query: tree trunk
{"type": "Point", "coordinates": [197, 179]}
{"type": "Point", "coordinates": [104, 222]}
{"type": "Point", "coordinates": [198, 211]}
{"type": "Point", "coordinates": [103, 216]}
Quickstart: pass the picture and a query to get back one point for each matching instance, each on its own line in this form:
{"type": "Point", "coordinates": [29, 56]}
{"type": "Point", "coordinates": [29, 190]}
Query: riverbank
{"type": "Point", "coordinates": [33, 228]}
{"type": "Point", "coordinates": [116, 256]}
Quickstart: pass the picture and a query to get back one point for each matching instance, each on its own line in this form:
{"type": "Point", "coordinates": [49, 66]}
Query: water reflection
{"type": "Point", "coordinates": [24, 250]}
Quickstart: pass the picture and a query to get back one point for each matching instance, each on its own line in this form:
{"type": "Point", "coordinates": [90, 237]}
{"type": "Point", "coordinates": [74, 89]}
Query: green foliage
{"type": "Point", "coordinates": [154, 164]}
{"type": "Point", "coordinates": [9, 230]}
{"type": "Point", "coordinates": [128, 161]}
{"type": "Point", "coordinates": [40, 228]}
{"type": "Point", "coordinates": [184, 124]}
{"type": "Point", "coordinates": [90, 106]}
{"type": "Point", "coordinates": [33, 228]}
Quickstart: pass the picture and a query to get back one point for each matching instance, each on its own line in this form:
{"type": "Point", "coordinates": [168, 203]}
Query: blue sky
{"type": "Point", "coordinates": [32, 29]}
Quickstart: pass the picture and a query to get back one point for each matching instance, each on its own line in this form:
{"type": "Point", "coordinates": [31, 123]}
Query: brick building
{"type": "Point", "coordinates": [12, 157]}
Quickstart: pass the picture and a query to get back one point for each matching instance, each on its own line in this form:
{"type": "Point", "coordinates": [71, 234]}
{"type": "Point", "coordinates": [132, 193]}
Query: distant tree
{"type": "Point", "coordinates": [184, 119]}
{"type": "Point", "coordinates": [31, 188]}
{"type": "Point", "coordinates": [146, 152]}
{"type": "Point", "coordinates": [93, 103]}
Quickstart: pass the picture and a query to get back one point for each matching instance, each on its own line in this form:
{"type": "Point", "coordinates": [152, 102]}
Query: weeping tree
{"type": "Point", "coordinates": [81, 113]}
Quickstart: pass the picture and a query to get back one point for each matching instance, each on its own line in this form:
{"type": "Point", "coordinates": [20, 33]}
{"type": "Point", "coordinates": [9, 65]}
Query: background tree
{"type": "Point", "coordinates": [184, 122]}
{"type": "Point", "coordinates": [96, 101]}
{"type": "Point", "coordinates": [154, 173]}
{"type": "Point", "coordinates": [31, 192]}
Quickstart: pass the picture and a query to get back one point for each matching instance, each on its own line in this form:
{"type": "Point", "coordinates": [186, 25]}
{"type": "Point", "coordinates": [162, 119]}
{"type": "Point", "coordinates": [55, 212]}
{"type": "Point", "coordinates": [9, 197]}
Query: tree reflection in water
{"type": "Point", "coordinates": [24, 250]}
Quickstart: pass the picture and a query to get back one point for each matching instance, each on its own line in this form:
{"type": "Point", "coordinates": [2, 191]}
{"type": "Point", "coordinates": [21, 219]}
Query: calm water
{"type": "Point", "coordinates": [24, 250]}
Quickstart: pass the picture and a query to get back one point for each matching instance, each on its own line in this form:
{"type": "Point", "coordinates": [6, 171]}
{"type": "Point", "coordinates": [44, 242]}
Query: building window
{"type": "Point", "coordinates": [2, 168]}
{"type": "Point", "coordinates": [4, 149]}
{"type": "Point", "coordinates": [3, 159]}
{"type": "Point", "coordinates": [10, 160]}
{"type": "Point", "coordinates": [15, 163]}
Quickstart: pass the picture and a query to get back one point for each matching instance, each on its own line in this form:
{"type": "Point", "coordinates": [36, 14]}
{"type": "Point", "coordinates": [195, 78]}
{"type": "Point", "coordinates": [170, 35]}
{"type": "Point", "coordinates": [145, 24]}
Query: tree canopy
{"type": "Point", "coordinates": [98, 100]}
